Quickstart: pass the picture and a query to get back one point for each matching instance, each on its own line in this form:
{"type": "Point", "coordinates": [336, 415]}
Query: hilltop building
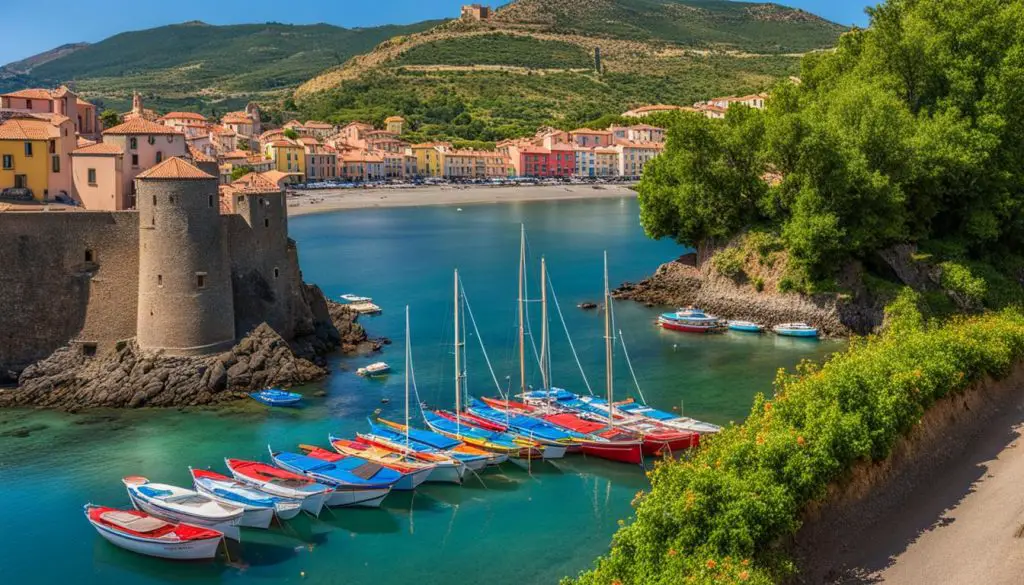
{"type": "Point", "coordinates": [138, 111]}
{"type": "Point", "coordinates": [476, 12]}
{"type": "Point", "coordinates": [395, 125]}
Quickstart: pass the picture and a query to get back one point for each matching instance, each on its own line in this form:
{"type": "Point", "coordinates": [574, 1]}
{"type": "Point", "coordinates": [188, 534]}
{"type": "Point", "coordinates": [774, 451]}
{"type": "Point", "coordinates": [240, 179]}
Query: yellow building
{"type": "Point", "coordinates": [25, 155]}
{"type": "Point", "coordinates": [289, 157]}
{"type": "Point", "coordinates": [430, 158]}
{"type": "Point", "coordinates": [395, 124]}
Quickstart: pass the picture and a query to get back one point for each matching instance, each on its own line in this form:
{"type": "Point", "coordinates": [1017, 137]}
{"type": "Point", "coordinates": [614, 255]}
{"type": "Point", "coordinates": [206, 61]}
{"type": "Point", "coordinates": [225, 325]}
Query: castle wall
{"type": "Point", "coordinates": [264, 272]}
{"type": "Point", "coordinates": [185, 297]}
{"type": "Point", "coordinates": [66, 277]}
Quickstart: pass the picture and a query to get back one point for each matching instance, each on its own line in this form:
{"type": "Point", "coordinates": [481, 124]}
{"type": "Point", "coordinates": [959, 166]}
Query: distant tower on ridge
{"type": "Point", "coordinates": [476, 12]}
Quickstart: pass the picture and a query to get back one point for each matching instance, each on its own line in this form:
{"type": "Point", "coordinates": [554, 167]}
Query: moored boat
{"type": "Point", "coordinates": [279, 482]}
{"type": "Point", "coordinates": [795, 330]}
{"type": "Point", "coordinates": [356, 482]}
{"type": "Point", "coordinates": [260, 507]}
{"type": "Point", "coordinates": [413, 472]}
{"type": "Point", "coordinates": [374, 369]}
{"type": "Point", "coordinates": [178, 504]}
{"type": "Point", "coordinates": [668, 419]}
{"type": "Point", "coordinates": [148, 535]}
{"type": "Point", "coordinates": [745, 326]}
{"type": "Point", "coordinates": [450, 425]}
{"type": "Point", "coordinates": [276, 397]}
{"type": "Point", "coordinates": [690, 320]}
{"type": "Point", "coordinates": [446, 467]}
{"type": "Point", "coordinates": [351, 298]}
{"type": "Point", "coordinates": [472, 457]}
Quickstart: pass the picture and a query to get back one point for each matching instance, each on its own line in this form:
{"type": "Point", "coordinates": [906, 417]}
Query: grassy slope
{"type": "Point", "coordinates": [199, 64]}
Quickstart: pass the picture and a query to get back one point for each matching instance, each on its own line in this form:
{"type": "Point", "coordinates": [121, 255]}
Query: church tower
{"type": "Point", "coordinates": [185, 296]}
{"type": "Point", "coordinates": [136, 104]}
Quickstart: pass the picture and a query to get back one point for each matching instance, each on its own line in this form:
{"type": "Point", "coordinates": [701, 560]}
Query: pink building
{"type": "Point", "coordinates": [145, 144]}
{"type": "Point", "coordinates": [98, 172]}
{"type": "Point", "coordinates": [562, 161]}
{"type": "Point", "coordinates": [61, 101]}
{"type": "Point", "coordinates": [588, 138]}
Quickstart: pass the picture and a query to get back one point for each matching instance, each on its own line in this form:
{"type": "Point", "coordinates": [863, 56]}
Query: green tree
{"type": "Point", "coordinates": [110, 118]}
{"type": "Point", "coordinates": [292, 134]}
{"type": "Point", "coordinates": [240, 171]}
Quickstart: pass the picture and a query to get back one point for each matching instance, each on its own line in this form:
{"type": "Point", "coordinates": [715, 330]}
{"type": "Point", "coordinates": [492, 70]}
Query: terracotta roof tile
{"type": "Point", "coordinates": [199, 156]}
{"type": "Point", "coordinates": [140, 126]}
{"type": "Point", "coordinates": [394, 119]}
{"type": "Point", "coordinates": [100, 148]}
{"type": "Point", "coordinates": [184, 116]}
{"type": "Point", "coordinates": [83, 142]}
{"type": "Point", "coordinates": [174, 168]}
{"type": "Point", "coordinates": [256, 183]}
{"type": "Point", "coordinates": [28, 129]}
{"type": "Point", "coordinates": [34, 94]}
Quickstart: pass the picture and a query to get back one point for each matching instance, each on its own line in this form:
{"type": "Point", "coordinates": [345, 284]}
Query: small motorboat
{"type": "Point", "coordinates": [356, 482]}
{"type": "Point", "coordinates": [147, 535]}
{"type": "Point", "coordinates": [260, 507]}
{"type": "Point", "coordinates": [276, 397]}
{"type": "Point", "coordinates": [796, 330]}
{"type": "Point", "coordinates": [351, 298]}
{"type": "Point", "coordinates": [745, 326]}
{"type": "Point", "coordinates": [690, 320]}
{"type": "Point", "coordinates": [278, 482]}
{"type": "Point", "coordinates": [178, 504]}
{"type": "Point", "coordinates": [374, 369]}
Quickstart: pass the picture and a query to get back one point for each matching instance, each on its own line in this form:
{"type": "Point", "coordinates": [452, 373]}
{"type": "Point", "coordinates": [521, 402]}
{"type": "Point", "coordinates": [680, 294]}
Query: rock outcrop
{"type": "Point", "coordinates": [132, 378]}
{"type": "Point", "coordinates": [682, 283]}
{"type": "Point", "coordinates": [353, 337]}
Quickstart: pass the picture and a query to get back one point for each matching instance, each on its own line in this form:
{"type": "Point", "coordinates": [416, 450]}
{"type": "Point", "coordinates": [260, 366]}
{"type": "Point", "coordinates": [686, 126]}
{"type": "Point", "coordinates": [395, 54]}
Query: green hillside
{"type": "Point", "coordinates": [533, 64]}
{"type": "Point", "coordinates": [205, 67]}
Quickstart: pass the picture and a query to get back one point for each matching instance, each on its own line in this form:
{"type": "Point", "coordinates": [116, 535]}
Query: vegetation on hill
{"type": "Point", "coordinates": [714, 517]}
{"type": "Point", "coordinates": [533, 64]}
{"type": "Point", "coordinates": [202, 67]}
{"type": "Point", "coordinates": [910, 132]}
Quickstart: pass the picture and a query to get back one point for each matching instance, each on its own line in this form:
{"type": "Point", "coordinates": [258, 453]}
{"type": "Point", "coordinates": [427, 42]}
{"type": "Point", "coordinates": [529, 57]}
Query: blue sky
{"type": "Point", "coordinates": [35, 26]}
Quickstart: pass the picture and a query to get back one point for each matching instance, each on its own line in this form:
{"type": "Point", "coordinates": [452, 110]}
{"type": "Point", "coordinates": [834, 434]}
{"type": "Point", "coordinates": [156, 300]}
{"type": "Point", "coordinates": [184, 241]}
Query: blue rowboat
{"type": "Point", "coordinates": [796, 330]}
{"type": "Point", "coordinates": [745, 326]}
{"type": "Point", "coordinates": [275, 397]}
{"type": "Point", "coordinates": [356, 481]}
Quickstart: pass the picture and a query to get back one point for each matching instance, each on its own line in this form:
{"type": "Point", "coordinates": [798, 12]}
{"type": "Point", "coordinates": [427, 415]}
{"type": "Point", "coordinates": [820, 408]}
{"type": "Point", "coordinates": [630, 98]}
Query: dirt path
{"type": "Point", "coordinates": [954, 517]}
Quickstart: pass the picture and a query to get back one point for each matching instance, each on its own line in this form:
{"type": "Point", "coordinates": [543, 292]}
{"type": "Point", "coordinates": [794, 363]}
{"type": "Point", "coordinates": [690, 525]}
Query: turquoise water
{"type": "Point", "coordinates": [512, 527]}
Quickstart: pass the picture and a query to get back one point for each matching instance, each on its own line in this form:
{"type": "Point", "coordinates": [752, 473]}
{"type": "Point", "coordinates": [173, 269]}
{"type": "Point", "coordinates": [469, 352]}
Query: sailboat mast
{"type": "Point", "coordinates": [458, 362]}
{"type": "Point", "coordinates": [408, 361]}
{"type": "Point", "coordinates": [608, 340]}
{"type": "Point", "coordinates": [544, 350]}
{"type": "Point", "coordinates": [522, 316]}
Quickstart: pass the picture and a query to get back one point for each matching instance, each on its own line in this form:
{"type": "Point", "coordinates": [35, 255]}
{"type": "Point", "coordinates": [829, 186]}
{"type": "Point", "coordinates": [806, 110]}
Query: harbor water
{"type": "Point", "coordinates": [507, 527]}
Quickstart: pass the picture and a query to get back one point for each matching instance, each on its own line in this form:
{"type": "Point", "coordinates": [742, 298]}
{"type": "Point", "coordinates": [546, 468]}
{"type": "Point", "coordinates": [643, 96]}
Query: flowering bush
{"type": "Point", "coordinates": [712, 518]}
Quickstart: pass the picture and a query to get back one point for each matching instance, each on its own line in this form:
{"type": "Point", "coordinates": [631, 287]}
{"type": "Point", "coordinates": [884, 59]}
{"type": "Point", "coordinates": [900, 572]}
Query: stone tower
{"type": "Point", "coordinates": [136, 104]}
{"type": "Point", "coordinates": [185, 294]}
{"type": "Point", "coordinates": [253, 110]}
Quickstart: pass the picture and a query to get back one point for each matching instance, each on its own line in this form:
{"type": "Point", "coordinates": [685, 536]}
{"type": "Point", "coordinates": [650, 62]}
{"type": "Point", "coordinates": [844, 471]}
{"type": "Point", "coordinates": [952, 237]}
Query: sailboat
{"type": "Point", "coordinates": [657, 438]}
{"type": "Point", "coordinates": [452, 424]}
{"type": "Point", "coordinates": [577, 434]}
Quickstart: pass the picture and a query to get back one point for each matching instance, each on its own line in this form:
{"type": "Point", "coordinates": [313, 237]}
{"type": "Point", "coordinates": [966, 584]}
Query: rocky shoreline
{"type": "Point", "coordinates": [133, 378]}
{"type": "Point", "coordinates": [684, 282]}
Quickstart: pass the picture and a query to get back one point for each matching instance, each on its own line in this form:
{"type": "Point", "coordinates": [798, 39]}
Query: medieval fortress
{"type": "Point", "coordinates": [190, 271]}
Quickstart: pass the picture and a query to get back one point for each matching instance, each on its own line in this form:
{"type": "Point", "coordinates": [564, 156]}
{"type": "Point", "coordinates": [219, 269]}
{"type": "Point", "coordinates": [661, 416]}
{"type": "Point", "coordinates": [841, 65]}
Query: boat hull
{"type": "Point", "coordinates": [411, 480]}
{"type": "Point", "coordinates": [288, 510]}
{"type": "Point", "coordinates": [796, 333]}
{"type": "Point", "coordinates": [621, 452]}
{"type": "Point", "coordinates": [658, 446]}
{"type": "Point", "coordinates": [362, 498]}
{"type": "Point", "coordinates": [252, 517]}
{"type": "Point", "coordinates": [192, 550]}
{"type": "Point", "coordinates": [745, 328]}
{"type": "Point", "coordinates": [312, 503]}
{"type": "Point", "coordinates": [229, 528]}
{"type": "Point", "coordinates": [554, 451]}
{"type": "Point", "coordinates": [687, 327]}
{"type": "Point", "coordinates": [448, 473]}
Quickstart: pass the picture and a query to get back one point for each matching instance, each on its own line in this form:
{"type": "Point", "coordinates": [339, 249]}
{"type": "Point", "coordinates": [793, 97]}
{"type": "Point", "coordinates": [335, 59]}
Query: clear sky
{"type": "Point", "coordinates": [34, 26]}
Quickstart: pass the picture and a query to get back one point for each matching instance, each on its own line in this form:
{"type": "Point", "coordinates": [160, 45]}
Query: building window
{"type": "Point", "coordinates": [200, 280]}
{"type": "Point", "coordinates": [151, 140]}
{"type": "Point", "coordinates": [154, 200]}
{"type": "Point", "coordinates": [266, 223]}
{"type": "Point", "coordinates": [53, 146]}
{"type": "Point", "coordinates": [28, 104]}
{"type": "Point", "coordinates": [133, 143]}
{"type": "Point", "coordinates": [89, 255]}
{"type": "Point", "coordinates": [28, 149]}
{"type": "Point", "coordinates": [159, 157]}
{"type": "Point", "coordinates": [211, 200]}
{"type": "Point", "coordinates": [135, 160]}
{"type": "Point", "coordinates": [277, 273]}
{"type": "Point", "coordinates": [92, 177]}
{"type": "Point", "coordinates": [8, 161]}
{"type": "Point", "coordinates": [56, 164]}
{"type": "Point", "coordinates": [159, 279]}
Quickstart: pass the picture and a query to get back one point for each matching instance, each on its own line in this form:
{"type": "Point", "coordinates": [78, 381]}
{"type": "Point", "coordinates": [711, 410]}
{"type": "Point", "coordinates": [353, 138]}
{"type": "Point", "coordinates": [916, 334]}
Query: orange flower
{"type": "Point", "coordinates": [744, 575]}
{"type": "Point", "coordinates": [711, 563]}
{"type": "Point", "coordinates": [672, 552]}
{"type": "Point", "coordinates": [616, 582]}
{"type": "Point", "coordinates": [745, 562]}
{"type": "Point", "coordinates": [800, 441]}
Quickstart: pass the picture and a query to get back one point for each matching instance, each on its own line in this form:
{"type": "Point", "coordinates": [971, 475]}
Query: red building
{"type": "Point", "coordinates": [562, 160]}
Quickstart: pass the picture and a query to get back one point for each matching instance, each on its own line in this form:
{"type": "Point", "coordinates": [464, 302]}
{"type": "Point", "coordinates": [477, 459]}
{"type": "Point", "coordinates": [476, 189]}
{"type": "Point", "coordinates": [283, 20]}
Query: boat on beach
{"type": "Point", "coordinates": [177, 504]}
{"type": "Point", "coordinates": [690, 320]}
{"type": "Point", "coordinates": [278, 482]}
{"type": "Point", "coordinates": [374, 369]}
{"type": "Point", "coordinates": [795, 330]}
{"type": "Point", "coordinates": [276, 397]}
{"type": "Point", "coordinates": [259, 507]}
{"type": "Point", "coordinates": [356, 482]}
{"type": "Point", "coordinates": [745, 326]}
{"type": "Point", "coordinates": [148, 535]}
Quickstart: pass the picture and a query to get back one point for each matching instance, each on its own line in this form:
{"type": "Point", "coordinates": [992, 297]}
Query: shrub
{"type": "Point", "coordinates": [712, 517]}
{"type": "Point", "coordinates": [729, 262]}
{"type": "Point", "coordinates": [759, 284]}
{"type": "Point", "coordinates": [960, 281]}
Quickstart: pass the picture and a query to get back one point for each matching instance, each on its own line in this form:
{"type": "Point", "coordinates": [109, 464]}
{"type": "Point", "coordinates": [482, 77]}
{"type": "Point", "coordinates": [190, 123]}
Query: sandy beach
{"type": "Point", "coordinates": [326, 200]}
